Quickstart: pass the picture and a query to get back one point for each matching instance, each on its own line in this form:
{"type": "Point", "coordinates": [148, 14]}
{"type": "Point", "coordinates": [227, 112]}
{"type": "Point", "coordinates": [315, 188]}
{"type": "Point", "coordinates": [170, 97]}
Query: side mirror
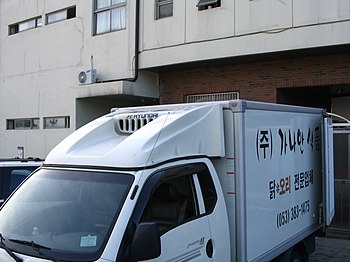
{"type": "Point", "coordinates": [146, 242]}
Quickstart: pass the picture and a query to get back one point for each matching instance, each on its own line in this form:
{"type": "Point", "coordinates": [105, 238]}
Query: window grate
{"type": "Point", "coordinates": [212, 97]}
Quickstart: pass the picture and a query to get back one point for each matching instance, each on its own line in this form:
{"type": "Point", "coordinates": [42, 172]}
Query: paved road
{"type": "Point", "coordinates": [331, 250]}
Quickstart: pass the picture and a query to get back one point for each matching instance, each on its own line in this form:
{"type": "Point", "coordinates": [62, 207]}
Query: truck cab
{"type": "Point", "coordinates": [181, 202]}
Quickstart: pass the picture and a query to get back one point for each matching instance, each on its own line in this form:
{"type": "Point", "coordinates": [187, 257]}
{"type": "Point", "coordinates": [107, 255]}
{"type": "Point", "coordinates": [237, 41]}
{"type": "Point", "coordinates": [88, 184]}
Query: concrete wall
{"type": "Point", "coordinates": [39, 70]}
{"type": "Point", "coordinates": [241, 27]}
{"type": "Point", "coordinates": [65, 44]}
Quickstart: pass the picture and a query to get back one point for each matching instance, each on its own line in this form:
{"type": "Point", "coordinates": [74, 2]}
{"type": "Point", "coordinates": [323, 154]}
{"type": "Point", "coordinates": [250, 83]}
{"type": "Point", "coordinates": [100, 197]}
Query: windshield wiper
{"type": "Point", "coordinates": [37, 247]}
{"type": "Point", "coordinates": [9, 251]}
{"type": "Point", "coordinates": [29, 243]}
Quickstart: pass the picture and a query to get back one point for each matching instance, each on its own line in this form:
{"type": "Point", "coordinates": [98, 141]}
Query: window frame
{"type": "Point", "coordinates": [16, 28]}
{"type": "Point", "coordinates": [14, 123]}
{"type": "Point", "coordinates": [38, 21]}
{"type": "Point", "coordinates": [194, 171]}
{"type": "Point", "coordinates": [65, 119]}
{"type": "Point", "coordinates": [188, 180]}
{"type": "Point", "coordinates": [117, 6]}
{"type": "Point", "coordinates": [69, 13]}
{"type": "Point", "coordinates": [159, 4]}
{"type": "Point", "coordinates": [207, 4]}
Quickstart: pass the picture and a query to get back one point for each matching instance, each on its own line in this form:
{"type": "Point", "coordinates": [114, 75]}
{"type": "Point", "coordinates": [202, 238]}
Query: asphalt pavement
{"type": "Point", "coordinates": [330, 249]}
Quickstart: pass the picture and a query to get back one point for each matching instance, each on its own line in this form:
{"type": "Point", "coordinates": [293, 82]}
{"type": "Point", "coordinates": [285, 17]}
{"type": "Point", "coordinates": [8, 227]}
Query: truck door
{"type": "Point", "coordinates": [181, 202]}
{"type": "Point", "coordinates": [328, 178]}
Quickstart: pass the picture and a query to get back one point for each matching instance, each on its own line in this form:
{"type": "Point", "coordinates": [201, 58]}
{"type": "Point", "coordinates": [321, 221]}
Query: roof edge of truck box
{"type": "Point", "coordinates": [243, 105]}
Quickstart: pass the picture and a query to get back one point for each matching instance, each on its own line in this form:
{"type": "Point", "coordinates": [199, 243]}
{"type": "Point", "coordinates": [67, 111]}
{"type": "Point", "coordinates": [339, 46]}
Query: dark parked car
{"type": "Point", "coordinates": [13, 171]}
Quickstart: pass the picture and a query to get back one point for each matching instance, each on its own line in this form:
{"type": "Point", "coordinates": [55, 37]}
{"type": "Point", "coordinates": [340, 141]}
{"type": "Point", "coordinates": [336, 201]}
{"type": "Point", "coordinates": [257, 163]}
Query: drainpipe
{"type": "Point", "coordinates": [137, 41]}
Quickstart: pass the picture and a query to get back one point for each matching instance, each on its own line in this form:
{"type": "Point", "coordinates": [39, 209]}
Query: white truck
{"type": "Point", "coordinates": [217, 181]}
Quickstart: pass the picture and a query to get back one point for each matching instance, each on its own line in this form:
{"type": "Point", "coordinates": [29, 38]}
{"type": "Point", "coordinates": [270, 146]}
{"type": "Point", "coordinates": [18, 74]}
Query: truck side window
{"type": "Point", "coordinates": [172, 203]}
{"type": "Point", "coordinates": [208, 190]}
{"type": "Point", "coordinates": [169, 198]}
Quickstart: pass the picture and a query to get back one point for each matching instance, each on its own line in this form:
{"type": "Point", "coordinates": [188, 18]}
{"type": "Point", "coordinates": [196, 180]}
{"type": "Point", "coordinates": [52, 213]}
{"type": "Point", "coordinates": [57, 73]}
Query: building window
{"type": "Point", "coordinates": [56, 122]}
{"type": "Point", "coordinates": [207, 4]}
{"type": "Point", "coordinates": [164, 8]}
{"type": "Point", "coordinates": [109, 15]}
{"type": "Point", "coordinates": [22, 123]}
{"type": "Point", "coordinates": [25, 25]}
{"type": "Point", "coordinates": [61, 15]}
{"type": "Point", "coordinates": [35, 22]}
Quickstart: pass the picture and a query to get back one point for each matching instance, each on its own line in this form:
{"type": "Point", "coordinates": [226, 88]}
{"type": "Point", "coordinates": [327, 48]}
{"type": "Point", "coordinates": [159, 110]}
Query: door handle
{"type": "Point", "coordinates": [209, 248]}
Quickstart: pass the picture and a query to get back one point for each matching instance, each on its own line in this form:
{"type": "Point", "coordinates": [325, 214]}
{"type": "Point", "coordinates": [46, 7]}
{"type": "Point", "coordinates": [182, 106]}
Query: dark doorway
{"type": "Point", "coordinates": [317, 96]}
{"type": "Point", "coordinates": [307, 96]}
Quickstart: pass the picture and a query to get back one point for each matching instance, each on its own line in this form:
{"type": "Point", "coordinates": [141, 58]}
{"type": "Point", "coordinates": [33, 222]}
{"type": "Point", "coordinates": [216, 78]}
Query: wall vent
{"type": "Point", "coordinates": [129, 125]}
{"type": "Point", "coordinates": [212, 97]}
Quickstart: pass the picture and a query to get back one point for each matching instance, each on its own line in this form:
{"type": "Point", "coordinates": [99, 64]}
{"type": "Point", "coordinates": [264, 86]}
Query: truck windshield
{"type": "Point", "coordinates": [70, 213]}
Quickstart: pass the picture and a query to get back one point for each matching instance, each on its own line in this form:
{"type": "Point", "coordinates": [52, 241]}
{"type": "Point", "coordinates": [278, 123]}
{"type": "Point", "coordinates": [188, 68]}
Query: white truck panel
{"type": "Point", "coordinates": [283, 178]}
{"type": "Point", "coordinates": [100, 143]}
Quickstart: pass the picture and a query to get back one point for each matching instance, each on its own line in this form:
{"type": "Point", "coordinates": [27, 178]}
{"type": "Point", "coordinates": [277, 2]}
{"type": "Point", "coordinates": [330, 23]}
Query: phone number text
{"type": "Point", "coordinates": [291, 214]}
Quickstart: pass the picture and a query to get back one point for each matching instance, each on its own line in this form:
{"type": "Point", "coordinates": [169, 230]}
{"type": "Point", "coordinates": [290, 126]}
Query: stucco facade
{"type": "Point", "coordinates": [39, 70]}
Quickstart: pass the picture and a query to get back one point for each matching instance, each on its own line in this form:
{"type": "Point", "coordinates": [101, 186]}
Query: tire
{"type": "Point", "coordinates": [296, 257]}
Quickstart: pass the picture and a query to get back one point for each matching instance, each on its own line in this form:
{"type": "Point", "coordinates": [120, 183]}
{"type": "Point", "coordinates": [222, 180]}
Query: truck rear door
{"type": "Point", "coordinates": [328, 182]}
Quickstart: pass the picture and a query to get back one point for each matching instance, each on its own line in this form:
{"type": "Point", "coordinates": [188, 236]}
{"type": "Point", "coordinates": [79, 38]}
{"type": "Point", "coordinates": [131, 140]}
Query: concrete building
{"type": "Point", "coordinates": [44, 46]}
{"type": "Point", "coordinates": [63, 63]}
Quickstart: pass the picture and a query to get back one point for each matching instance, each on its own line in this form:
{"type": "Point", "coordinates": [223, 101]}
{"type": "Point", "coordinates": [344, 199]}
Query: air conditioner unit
{"type": "Point", "coordinates": [87, 77]}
